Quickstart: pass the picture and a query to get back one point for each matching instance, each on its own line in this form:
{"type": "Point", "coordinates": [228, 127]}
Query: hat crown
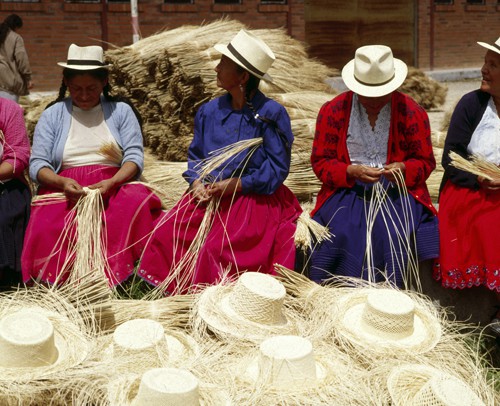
{"type": "Point", "coordinates": [374, 65]}
{"type": "Point", "coordinates": [167, 386]}
{"type": "Point", "coordinates": [27, 340]}
{"type": "Point", "coordinates": [250, 52]}
{"type": "Point", "coordinates": [286, 360]}
{"type": "Point", "coordinates": [445, 390]}
{"type": "Point", "coordinates": [259, 298]}
{"type": "Point", "coordinates": [389, 313]}
{"type": "Point", "coordinates": [84, 58]}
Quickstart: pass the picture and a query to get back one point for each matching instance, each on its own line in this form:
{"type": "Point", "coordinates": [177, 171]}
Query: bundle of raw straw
{"type": "Point", "coordinates": [476, 165]}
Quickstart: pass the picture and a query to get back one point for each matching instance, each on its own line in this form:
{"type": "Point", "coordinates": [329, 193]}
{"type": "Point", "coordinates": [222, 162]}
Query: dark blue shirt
{"type": "Point", "coordinates": [217, 125]}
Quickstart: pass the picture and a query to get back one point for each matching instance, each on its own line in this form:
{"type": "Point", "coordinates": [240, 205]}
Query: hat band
{"type": "Point", "coordinates": [83, 62]}
{"type": "Point", "coordinates": [375, 84]}
{"type": "Point", "coordinates": [245, 63]}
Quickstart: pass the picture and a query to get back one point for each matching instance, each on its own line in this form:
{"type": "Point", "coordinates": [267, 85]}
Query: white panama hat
{"type": "Point", "coordinates": [374, 72]}
{"type": "Point", "coordinates": [164, 386]}
{"type": "Point", "coordinates": [84, 58]}
{"type": "Point", "coordinates": [421, 385]}
{"type": "Point", "coordinates": [286, 363]}
{"type": "Point", "coordinates": [146, 342]}
{"type": "Point", "coordinates": [252, 308]}
{"type": "Point", "coordinates": [249, 52]}
{"type": "Point", "coordinates": [36, 342]}
{"type": "Point", "coordinates": [385, 319]}
{"type": "Point", "coordinates": [492, 47]}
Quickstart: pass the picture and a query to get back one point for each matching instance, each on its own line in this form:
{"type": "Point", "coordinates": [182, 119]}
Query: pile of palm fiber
{"type": "Point", "coordinates": [427, 92]}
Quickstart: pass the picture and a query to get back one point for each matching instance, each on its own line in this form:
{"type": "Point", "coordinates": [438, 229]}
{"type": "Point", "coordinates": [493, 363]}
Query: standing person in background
{"type": "Point", "coordinates": [15, 71]}
{"type": "Point", "coordinates": [372, 144]}
{"type": "Point", "coordinates": [469, 205]}
{"type": "Point", "coordinates": [15, 196]}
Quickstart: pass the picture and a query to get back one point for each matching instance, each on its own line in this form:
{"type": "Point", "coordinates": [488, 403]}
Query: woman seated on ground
{"type": "Point", "coordinates": [15, 195]}
{"type": "Point", "coordinates": [372, 144]}
{"type": "Point", "coordinates": [251, 215]}
{"type": "Point", "coordinates": [69, 155]}
{"type": "Point", "coordinates": [469, 205]}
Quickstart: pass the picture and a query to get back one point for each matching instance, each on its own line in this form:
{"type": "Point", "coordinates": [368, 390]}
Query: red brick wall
{"type": "Point", "coordinates": [50, 26]}
{"type": "Point", "coordinates": [447, 34]}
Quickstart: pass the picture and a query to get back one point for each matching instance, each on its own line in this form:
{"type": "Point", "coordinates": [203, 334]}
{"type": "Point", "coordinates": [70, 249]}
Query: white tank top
{"type": "Point", "coordinates": [485, 141]}
{"type": "Point", "coordinates": [88, 133]}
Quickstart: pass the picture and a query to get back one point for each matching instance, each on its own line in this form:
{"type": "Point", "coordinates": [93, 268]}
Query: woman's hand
{"type": "Point", "coordinates": [224, 187]}
{"type": "Point", "coordinates": [72, 189]}
{"type": "Point", "coordinates": [199, 191]}
{"type": "Point", "coordinates": [394, 172]}
{"type": "Point", "coordinates": [365, 174]}
{"type": "Point", "coordinates": [488, 184]}
{"type": "Point", "coordinates": [104, 186]}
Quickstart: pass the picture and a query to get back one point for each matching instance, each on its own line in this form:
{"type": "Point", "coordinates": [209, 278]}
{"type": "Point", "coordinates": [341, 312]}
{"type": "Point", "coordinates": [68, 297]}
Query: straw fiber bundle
{"type": "Point", "coordinates": [476, 165]}
{"type": "Point", "coordinates": [427, 92]}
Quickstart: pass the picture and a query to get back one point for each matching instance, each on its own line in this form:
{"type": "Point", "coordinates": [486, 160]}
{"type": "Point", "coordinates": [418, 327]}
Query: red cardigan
{"type": "Point", "coordinates": [409, 142]}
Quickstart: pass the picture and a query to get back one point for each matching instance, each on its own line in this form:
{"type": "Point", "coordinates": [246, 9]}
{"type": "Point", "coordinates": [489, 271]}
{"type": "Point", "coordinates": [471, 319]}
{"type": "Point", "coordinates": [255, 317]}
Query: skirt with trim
{"type": "Point", "coordinates": [402, 230]}
{"type": "Point", "coordinates": [469, 221]}
{"type": "Point", "coordinates": [15, 198]}
{"type": "Point", "coordinates": [129, 213]}
{"type": "Point", "coordinates": [246, 233]}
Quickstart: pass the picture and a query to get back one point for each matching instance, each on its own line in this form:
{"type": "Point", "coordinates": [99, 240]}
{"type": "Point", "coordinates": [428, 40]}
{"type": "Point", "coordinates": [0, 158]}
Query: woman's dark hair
{"type": "Point", "coordinates": [11, 23]}
{"type": "Point", "coordinates": [100, 74]}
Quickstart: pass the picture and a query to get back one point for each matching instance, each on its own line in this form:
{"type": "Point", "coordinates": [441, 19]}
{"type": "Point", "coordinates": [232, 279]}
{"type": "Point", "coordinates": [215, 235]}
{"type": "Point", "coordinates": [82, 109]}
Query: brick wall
{"type": "Point", "coordinates": [50, 26]}
{"type": "Point", "coordinates": [447, 34]}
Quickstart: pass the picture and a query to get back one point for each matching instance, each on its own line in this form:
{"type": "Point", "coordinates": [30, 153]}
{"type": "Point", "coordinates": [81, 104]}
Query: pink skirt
{"type": "Point", "coordinates": [248, 233]}
{"type": "Point", "coordinates": [128, 218]}
{"type": "Point", "coordinates": [469, 221]}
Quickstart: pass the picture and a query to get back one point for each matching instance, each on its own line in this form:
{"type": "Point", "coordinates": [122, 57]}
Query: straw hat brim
{"type": "Point", "coordinates": [72, 345]}
{"type": "Point", "coordinates": [425, 336]}
{"type": "Point", "coordinates": [214, 309]}
{"type": "Point", "coordinates": [400, 73]}
{"type": "Point", "coordinates": [490, 47]}
{"type": "Point", "coordinates": [122, 392]}
{"type": "Point", "coordinates": [225, 51]}
{"type": "Point", "coordinates": [83, 67]}
{"type": "Point", "coordinates": [405, 381]}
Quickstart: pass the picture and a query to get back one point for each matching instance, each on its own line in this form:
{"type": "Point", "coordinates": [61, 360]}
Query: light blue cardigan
{"type": "Point", "coordinates": [51, 133]}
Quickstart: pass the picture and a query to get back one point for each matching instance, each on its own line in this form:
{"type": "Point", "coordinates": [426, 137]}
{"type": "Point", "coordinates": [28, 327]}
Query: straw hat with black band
{"type": "Point", "coordinates": [85, 58]}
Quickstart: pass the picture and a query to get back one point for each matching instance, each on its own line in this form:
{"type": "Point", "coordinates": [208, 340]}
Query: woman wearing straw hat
{"type": "Point", "coordinates": [372, 152]}
{"type": "Point", "coordinates": [71, 156]}
{"type": "Point", "coordinates": [15, 195]}
{"type": "Point", "coordinates": [248, 214]}
{"type": "Point", "coordinates": [469, 203]}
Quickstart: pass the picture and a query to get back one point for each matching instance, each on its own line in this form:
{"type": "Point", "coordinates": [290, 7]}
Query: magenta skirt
{"type": "Point", "coordinates": [128, 219]}
{"type": "Point", "coordinates": [248, 233]}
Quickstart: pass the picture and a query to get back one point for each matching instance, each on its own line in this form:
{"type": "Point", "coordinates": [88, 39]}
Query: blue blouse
{"type": "Point", "coordinates": [217, 125]}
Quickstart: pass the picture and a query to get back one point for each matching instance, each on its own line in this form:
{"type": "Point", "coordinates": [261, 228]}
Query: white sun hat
{"type": "Point", "coordinates": [374, 71]}
{"type": "Point", "coordinates": [36, 342]}
{"type": "Point", "coordinates": [84, 58]}
{"type": "Point", "coordinates": [249, 52]}
{"type": "Point", "coordinates": [286, 362]}
{"type": "Point", "coordinates": [146, 343]}
{"type": "Point", "coordinates": [251, 308]}
{"type": "Point", "coordinates": [164, 386]}
{"type": "Point", "coordinates": [421, 385]}
{"type": "Point", "coordinates": [495, 47]}
{"type": "Point", "coordinates": [383, 319]}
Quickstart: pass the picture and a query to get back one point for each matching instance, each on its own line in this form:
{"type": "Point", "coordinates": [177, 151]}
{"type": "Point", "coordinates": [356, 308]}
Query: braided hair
{"type": "Point", "coordinates": [11, 23]}
{"type": "Point", "coordinates": [100, 74]}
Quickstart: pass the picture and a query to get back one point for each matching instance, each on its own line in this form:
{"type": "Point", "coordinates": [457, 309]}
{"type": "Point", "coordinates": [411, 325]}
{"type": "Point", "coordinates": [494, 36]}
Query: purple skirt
{"type": "Point", "coordinates": [345, 213]}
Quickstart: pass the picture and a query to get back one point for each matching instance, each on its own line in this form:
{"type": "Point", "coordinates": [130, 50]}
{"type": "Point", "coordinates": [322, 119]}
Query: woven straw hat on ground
{"type": "Point", "coordinates": [286, 363]}
{"type": "Point", "coordinates": [251, 308]}
{"type": "Point", "coordinates": [420, 385]}
{"type": "Point", "coordinates": [164, 386]}
{"type": "Point", "coordinates": [387, 319]}
{"type": "Point", "coordinates": [145, 343]}
{"type": "Point", "coordinates": [36, 342]}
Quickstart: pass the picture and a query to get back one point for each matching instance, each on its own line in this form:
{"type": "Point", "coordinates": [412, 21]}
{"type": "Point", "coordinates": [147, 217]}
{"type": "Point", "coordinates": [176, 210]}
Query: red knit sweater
{"type": "Point", "coordinates": [409, 142]}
